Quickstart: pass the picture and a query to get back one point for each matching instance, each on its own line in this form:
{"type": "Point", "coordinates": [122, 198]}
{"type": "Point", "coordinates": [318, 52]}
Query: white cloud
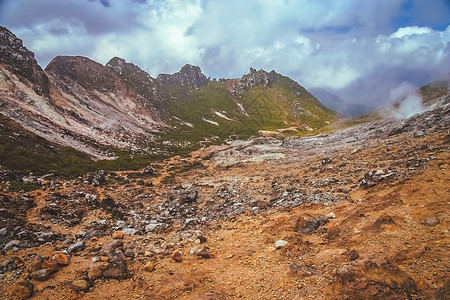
{"type": "Point", "coordinates": [330, 44]}
{"type": "Point", "coordinates": [162, 43]}
{"type": "Point", "coordinates": [410, 30]}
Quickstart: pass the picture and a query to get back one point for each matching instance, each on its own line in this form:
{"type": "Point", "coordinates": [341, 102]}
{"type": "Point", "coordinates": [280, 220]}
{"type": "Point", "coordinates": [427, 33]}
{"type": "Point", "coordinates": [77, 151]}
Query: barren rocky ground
{"type": "Point", "coordinates": [359, 213]}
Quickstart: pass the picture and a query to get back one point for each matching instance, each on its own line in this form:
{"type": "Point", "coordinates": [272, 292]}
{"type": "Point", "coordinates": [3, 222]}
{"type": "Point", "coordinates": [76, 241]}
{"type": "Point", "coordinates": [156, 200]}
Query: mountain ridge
{"type": "Point", "coordinates": [97, 108]}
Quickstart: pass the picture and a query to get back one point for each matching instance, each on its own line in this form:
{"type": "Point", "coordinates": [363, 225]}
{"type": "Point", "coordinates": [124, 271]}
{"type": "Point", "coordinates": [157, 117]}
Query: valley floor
{"type": "Point", "coordinates": [361, 213]}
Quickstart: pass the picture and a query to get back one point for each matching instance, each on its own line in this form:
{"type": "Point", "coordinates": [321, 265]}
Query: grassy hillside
{"type": "Point", "coordinates": [214, 113]}
{"type": "Point", "coordinates": [23, 152]}
{"type": "Point", "coordinates": [435, 89]}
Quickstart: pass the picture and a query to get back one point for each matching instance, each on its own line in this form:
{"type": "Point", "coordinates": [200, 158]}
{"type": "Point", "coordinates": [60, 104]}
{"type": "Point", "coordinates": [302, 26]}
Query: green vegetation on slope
{"type": "Point", "coordinates": [212, 110]}
{"type": "Point", "coordinates": [23, 152]}
{"type": "Point", "coordinates": [284, 104]}
{"type": "Point", "coordinates": [435, 90]}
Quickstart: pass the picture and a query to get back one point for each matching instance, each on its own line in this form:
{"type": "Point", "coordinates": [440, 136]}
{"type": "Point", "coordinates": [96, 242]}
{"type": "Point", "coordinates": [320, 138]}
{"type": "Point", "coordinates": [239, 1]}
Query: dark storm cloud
{"type": "Point", "coordinates": [97, 17]}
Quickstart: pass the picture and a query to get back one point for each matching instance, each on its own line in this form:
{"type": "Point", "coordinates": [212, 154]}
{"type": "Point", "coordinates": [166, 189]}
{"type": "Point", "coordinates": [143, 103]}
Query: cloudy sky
{"type": "Point", "coordinates": [363, 51]}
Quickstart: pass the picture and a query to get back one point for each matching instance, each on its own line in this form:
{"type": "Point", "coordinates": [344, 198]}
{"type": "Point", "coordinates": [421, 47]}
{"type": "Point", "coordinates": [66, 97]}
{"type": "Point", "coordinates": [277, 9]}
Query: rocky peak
{"type": "Point", "coordinates": [252, 79]}
{"type": "Point", "coordinates": [131, 73]}
{"type": "Point", "coordinates": [117, 64]}
{"type": "Point", "coordinates": [137, 78]}
{"type": "Point", "coordinates": [259, 77]}
{"type": "Point", "coordinates": [89, 74]}
{"type": "Point", "coordinates": [19, 60]}
{"type": "Point", "coordinates": [189, 76]}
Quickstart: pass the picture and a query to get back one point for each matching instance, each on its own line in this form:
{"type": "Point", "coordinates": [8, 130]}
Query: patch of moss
{"type": "Point", "coordinates": [18, 186]}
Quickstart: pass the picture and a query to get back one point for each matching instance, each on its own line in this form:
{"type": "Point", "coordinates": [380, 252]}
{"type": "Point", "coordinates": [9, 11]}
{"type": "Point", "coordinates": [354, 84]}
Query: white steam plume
{"type": "Point", "coordinates": [409, 102]}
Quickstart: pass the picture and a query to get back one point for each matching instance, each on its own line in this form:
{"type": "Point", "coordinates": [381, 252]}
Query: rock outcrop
{"type": "Point", "coordinates": [189, 76]}
{"type": "Point", "coordinates": [21, 62]}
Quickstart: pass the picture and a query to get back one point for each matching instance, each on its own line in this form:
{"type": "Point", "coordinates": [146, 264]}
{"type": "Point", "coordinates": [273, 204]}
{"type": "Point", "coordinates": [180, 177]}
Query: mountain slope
{"type": "Point", "coordinates": [22, 151]}
{"type": "Point", "coordinates": [100, 109]}
{"type": "Point", "coordinates": [257, 103]}
{"type": "Point", "coordinates": [116, 113]}
{"type": "Point", "coordinates": [435, 89]}
{"type": "Point", "coordinates": [78, 103]}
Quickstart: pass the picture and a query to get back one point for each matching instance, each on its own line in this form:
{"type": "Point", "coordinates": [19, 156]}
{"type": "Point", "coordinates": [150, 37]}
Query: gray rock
{"type": "Point", "coordinates": [116, 271]}
{"type": "Point", "coordinates": [81, 235]}
{"type": "Point", "coordinates": [130, 231]}
{"type": "Point", "coordinates": [280, 244]}
{"type": "Point", "coordinates": [129, 253]}
{"type": "Point", "coordinates": [41, 275]}
{"type": "Point", "coordinates": [431, 221]}
{"type": "Point", "coordinates": [99, 178]}
{"type": "Point", "coordinates": [152, 227]}
{"type": "Point", "coordinates": [11, 245]}
{"type": "Point", "coordinates": [307, 225]}
{"type": "Point", "coordinates": [46, 236]}
{"type": "Point", "coordinates": [189, 197]}
{"type": "Point", "coordinates": [419, 134]}
{"type": "Point", "coordinates": [111, 245]}
{"type": "Point", "coordinates": [354, 151]}
{"type": "Point", "coordinates": [78, 246]}
{"type": "Point", "coordinates": [121, 224]}
{"type": "Point", "coordinates": [7, 265]}
{"type": "Point", "coordinates": [203, 253]}
{"type": "Point", "coordinates": [116, 255]}
{"type": "Point", "coordinates": [108, 203]}
{"type": "Point", "coordinates": [190, 222]}
{"type": "Point", "coordinates": [148, 171]}
{"type": "Point", "coordinates": [3, 231]}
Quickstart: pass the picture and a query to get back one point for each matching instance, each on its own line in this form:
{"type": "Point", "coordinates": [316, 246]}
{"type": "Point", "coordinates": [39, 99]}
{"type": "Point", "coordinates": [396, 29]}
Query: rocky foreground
{"type": "Point", "coordinates": [360, 213]}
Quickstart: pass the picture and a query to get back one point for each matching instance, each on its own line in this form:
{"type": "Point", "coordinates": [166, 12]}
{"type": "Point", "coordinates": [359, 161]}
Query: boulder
{"type": "Point", "coordinates": [201, 252]}
{"type": "Point", "coordinates": [23, 289]}
{"type": "Point", "coordinates": [94, 272]}
{"type": "Point", "coordinates": [351, 254]}
{"type": "Point", "coordinates": [280, 244]}
{"type": "Point", "coordinates": [110, 246]}
{"type": "Point", "coordinates": [41, 275]}
{"type": "Point", "coordinates": [116, 255]}
{"type": "Point", "coordinates": [149, 267]}
{"type": "Point", "coordinates": [307, 224]}
{"type": "Point", "coordinates": [117, 234]}
{"type": "Point", "coordinates": [148, 171]}
{"type": "Point", "coordinates": [189, 197]}
{"type": "Point", "coordinates": [153, 226]}
{"type": "Point", "coordinates": [433, 221]}
{"type": "Point", "coordinates": [201, 239]}
{"type": "Point", "coordinates": [78, 246]}
{"type": "Point", "coordinates": [50, 265]}
{"type": "Point", "coordinates": [117, 270]}
{"type": "Point", "coordinates": [99, 178]}
{"type": "Point", "coordinates": [14, 244]}
{"type": "Point", "coordinates": [130, 231]}
{"type": "Point", "coordinates": [190, 222]}
{"type": "Point", "coordinates": [61, 259]}
{"type": "Point", "coordinates": [176, 256]}
{"type": "Point", "coordinates": [108, 203]}
{"type": "Point", "coordinates": [129, 253]}
{"type": "Point", "coordinates": [80, 285]}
